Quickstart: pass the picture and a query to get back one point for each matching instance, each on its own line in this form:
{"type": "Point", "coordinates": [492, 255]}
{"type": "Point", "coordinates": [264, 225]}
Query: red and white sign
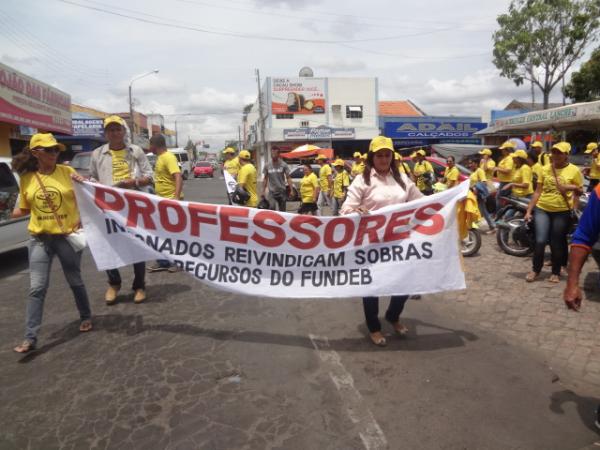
{"type": "Point", "coordinates": [27, 101]}
{"type": "Point", "coordinates": [409, 248]}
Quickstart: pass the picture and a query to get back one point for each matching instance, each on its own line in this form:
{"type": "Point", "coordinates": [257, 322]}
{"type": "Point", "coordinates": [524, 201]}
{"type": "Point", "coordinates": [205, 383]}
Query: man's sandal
{"type": "Point", "coordinates": [554, 278]}
{"type": "Point", "coordinates": [400, 329]}
{"type": "Point", "coordinates": [85, 326]}
{"type": "Point", "coordinates": [24, 347]}
{"type": "Point", "coordinates": [378, 339]}
{"type": "Point", "coordinates": [531, 276]}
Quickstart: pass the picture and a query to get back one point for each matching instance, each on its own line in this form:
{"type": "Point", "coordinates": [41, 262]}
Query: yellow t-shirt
{"type": "Point", "coordinates": [451, 174]}
{"type": "Point", "coordinates": [164, 181]}
{"type": "Point", "coordinates": [477, 176]}
{"type": "Point", "coordinates": [323, 178]}
{"type": "Point", "coordinates": [247, 177]}
{"type": "Point", "coordinates": [404, 168]}
{"type": "Point", "coordinates": [419, 170]}
{"type": "Point", "coordinates": [506, 163]}
{"type": "Point", "coordinates": [489, 171]}
{"type": "Point", "coordinates": [595, 168]}
{"type": "Point", "coordinates": [341, 181]}
{"type": "Point", "coordinates": [537, 170]}
{"type": "Point", "coordinates": [551, 199]}
{"type": "Point", "coordinates": [232, 166]}
{"type": "Point", "coordinates": [121, 170]}
{"type": "Point", "coordinates": [544, 159]}
{"type": "Point", "coordinates": [59, 187]}
{"type": "Point", "coordinates": [308, 186]}
{"type": "Point", "coordinates": [523, 175]}
{"type": "Point", "coordinates": [357, 169]}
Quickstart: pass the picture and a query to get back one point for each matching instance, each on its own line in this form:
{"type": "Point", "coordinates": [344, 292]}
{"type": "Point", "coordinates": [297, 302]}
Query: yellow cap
{"type": "Point", "coordinates": [591, 147]}
{"type": "Point", "coordinates": [507, 144]}
{"type": "Point", "coordinates": [537, 144]}
{"type": "Point", "coordinates": [321, 157]}
{"type": "Point", "coordinates": [229, 150]}
{"type": "Point", "coordinates": [45, 140]}
{"type": "Point", "coordinates": [563, 146]}
{"type": "Point", "coordinates": [114, 119]}
{"type": "Point", "coordinates": [520, 154]}
{"type": "Point", "coordinates": [420, 152]}
{"type": "Point", "coordinates": [381, 143]}
{"type": "Point", "coordinates": [486, 151]}
{"type": "Point", "coordinates": [413, 154]}
{"type": "Point", "coordinates": [244, 154]}
{"type": "Point", "coordinates": [338, 162]}
{"type": "Point", "coordinates": [357, 155]}
{"type": "Point", "coordinates": [364, 156]}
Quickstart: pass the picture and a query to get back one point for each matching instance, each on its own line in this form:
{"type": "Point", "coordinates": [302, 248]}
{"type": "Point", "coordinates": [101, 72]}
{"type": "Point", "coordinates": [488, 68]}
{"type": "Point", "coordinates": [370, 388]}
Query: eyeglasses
{"type": "Point", "coordinates": [50, 150]}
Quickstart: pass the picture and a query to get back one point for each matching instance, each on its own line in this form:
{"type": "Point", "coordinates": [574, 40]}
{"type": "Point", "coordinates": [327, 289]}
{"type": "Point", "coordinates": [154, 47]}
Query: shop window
{"type": "Point", "coordinates": [284, 116]}
{"type": "Point", "coordinates": [354, 112]}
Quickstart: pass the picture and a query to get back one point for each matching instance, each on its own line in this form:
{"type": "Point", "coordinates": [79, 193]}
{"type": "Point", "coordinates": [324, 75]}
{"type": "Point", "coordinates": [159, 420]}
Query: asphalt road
{"type": "Point", "coordinates": [196, 368]}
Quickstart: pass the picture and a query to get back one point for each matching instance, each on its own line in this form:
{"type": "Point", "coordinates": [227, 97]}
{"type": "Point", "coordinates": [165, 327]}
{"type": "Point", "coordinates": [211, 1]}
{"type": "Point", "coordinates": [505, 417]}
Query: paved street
{"type": "Point", "coordinates": [502, 365]}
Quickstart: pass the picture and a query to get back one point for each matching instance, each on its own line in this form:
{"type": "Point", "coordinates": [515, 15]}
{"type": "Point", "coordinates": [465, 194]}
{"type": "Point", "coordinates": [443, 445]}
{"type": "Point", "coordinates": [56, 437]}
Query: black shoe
{"type": "Point", "coordinates": [157, 268]}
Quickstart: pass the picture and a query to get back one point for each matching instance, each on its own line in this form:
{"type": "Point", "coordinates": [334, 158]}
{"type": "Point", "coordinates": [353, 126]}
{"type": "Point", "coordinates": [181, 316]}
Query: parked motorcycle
{"type": "Point", "coordinates": [472, 243]}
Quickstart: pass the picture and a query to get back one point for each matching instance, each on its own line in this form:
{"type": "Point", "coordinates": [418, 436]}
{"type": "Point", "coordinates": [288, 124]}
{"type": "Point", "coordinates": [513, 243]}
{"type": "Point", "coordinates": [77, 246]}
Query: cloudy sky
{"type": "Point", "coordinates": [435, 52]}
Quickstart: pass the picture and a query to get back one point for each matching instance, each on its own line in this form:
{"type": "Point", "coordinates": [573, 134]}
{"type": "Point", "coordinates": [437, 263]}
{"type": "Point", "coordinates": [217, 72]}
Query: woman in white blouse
{"type": "Point", "coordinates": [381, 184]}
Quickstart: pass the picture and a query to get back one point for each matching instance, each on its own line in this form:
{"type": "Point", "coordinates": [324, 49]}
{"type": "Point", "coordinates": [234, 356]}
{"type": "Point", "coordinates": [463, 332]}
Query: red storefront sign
{"type": "Point", "coordinates": [27, 101]}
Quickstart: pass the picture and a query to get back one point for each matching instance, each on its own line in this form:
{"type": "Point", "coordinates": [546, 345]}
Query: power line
{"type": "Point", "coordinates": [234, 34]}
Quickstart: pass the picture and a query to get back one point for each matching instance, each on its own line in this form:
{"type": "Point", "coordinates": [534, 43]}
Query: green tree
{"type": "Point", "coordinates": [539, 40]}
{"type": "Point", "coordinates": [585, 84]}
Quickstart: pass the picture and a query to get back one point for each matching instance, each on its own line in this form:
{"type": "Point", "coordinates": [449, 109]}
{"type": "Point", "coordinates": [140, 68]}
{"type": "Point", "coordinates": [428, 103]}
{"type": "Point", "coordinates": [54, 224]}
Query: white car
{"type": "Point", "coordinates": [13, 232]}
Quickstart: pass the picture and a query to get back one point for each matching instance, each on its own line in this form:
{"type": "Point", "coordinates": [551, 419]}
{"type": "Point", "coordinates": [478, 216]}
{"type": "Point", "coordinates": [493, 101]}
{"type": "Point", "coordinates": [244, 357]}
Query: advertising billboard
{"type": "Point", "coordinates": [432, 129]}
{"type": "Point", "coordinates": [298, 96]}
{"type": "Point", "coordinates": [27, 101]}
{"type": "Point", "coordinates": [88, 128]}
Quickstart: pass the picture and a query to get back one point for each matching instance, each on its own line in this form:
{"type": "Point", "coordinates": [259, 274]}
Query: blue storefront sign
{"type": "Point", "coordinates": [91, 128]}
{"type": "Point", "coordinates": [432, 129]}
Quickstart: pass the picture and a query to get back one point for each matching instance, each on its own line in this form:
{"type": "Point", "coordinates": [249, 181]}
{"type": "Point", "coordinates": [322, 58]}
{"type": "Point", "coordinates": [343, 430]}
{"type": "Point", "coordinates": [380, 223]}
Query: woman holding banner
{"type": "Point", "coordinates": [46, 191]}
{"type": "Point", "coordinates": [381, 184]}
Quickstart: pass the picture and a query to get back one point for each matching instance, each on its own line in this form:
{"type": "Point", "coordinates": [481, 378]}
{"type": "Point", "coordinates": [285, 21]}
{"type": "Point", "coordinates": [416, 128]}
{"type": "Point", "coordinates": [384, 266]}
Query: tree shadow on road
{"type": "Point", "coordinates": [591, 287]}
{"type": "Point", "coordinates": [586, 406]}
{"type": "Point", "coordinates": [133, 324]}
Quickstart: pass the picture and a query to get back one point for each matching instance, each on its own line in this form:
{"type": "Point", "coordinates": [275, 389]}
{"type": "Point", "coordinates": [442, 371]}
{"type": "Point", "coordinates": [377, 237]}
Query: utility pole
{"type": "Point", "coordinates": [261, 117]}
{"type": "Point", "coordinates": [239, 137]}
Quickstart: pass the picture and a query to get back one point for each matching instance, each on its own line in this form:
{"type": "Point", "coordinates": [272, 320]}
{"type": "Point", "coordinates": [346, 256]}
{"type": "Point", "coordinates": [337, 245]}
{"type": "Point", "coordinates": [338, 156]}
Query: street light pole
{"type": "Point", "coordinates": [132, 122]}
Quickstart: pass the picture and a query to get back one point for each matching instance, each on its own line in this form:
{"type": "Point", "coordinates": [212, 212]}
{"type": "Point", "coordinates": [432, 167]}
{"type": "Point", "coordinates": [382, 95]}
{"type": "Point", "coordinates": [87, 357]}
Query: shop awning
{"type": "Point", "coordinates": [307, 150]}
{"type": "Point", "coordinates": [578, 116]}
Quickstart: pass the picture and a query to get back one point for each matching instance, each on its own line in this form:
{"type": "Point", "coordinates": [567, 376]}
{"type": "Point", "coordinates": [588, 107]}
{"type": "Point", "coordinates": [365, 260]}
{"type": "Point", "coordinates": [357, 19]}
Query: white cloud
{"type": "Point", "coordinates": [336, 65]}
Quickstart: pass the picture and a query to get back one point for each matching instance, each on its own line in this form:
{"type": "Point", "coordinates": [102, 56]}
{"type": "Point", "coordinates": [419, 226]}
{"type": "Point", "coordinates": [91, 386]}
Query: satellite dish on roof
{"type": "Point", "coordinates": [306, 72]}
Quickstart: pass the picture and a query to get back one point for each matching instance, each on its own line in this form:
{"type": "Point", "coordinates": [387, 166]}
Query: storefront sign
{"type": "Point", "coordinates": [298, 95]}
{"type": "Point", "coordinates": [432, 130]}
{"type": "Point", "coordinates": [319, 133]}
{"type": "Point", "coordinates": [88, 128]}
{"type": "Point", "coordinates": [29, 102]}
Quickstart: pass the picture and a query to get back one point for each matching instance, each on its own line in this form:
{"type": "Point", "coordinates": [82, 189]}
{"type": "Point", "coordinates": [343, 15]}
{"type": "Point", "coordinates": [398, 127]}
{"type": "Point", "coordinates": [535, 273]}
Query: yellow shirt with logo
{"type": "Point", "coordinates": [323, 178]}
{"type": "Point", "coordinates": [488, 167]}
{"type": "Point", "coordinates": [419, 170]}
{"type": "Point", "coordinates": [551, 199]}
{"type": "Point", "coordinates": [477, 176]}
{"type": "Point", "coordinates": [506, 163]}
{"type": "Point", "coordinates": [357, 169]}
{"type": "Point", "coordinates": [451, 174]}
{"type": "Point", "coordinates": [247, 177]}
{"type": "Point", "coordinates": [308, 185]}
{"type": "Point", "coordinates": [121, 170]}
{"type": "Point", "coordinates": [59, 187]}
{"type": "Point", "coordinates": [341, 181]}
{"type": "Point", "coordinates": [164, 181]}
{"type": "Point", "coordinates": [232, 166]}
{"type": "Point", "coordinates": [595, 168]}
{"type": "Point", "coordinates": [523, 174]}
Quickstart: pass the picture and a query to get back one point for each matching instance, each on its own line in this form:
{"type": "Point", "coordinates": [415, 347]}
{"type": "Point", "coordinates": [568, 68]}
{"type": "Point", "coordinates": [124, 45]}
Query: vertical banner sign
{"type": "Point", "coordinates": [409, 248]}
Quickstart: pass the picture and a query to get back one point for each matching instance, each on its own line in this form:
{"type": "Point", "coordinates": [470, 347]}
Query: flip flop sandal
{"type": "Point", "coordinates": [24, 347]}
{"type": "Point", "coordinates": [85, 326]}
{"type": "Point", "coordinates": [378, 341]}
{"type": "Point", "coordinates": [531, 276]}
{"type": "Point", "coordinates": [554, 279]}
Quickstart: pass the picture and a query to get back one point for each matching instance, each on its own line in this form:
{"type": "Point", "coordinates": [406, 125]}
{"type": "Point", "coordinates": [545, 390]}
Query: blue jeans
{"type": "Point", "coordinates": [553, 226]}
{"type": "Point", "coordinates": [324, 199]}
{"type": "Point", "coordinates": [485, 213]}
{"type": "Point", "coordinates": [499, 194]}
{"type": "Point", "coordinates": [337, 204]}
{"type": "Point", "coordinates": [371, 308]}
{"type": "Point", "coordinates": [42, 250]}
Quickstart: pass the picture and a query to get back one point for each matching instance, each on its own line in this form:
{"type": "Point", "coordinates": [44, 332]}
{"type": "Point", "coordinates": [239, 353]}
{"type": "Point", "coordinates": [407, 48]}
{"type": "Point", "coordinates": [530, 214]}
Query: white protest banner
{"type": "Point", "coordinates": [410, 248]}
{"type": "Point", "coordinates": [230, 182]}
